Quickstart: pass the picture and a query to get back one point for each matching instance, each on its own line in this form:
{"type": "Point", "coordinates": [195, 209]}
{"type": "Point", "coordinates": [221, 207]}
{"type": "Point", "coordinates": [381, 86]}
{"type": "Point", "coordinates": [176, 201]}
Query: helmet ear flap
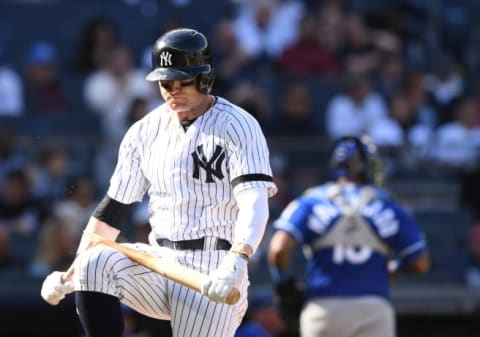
{"type": "Point", "coordinates": [205, 82]}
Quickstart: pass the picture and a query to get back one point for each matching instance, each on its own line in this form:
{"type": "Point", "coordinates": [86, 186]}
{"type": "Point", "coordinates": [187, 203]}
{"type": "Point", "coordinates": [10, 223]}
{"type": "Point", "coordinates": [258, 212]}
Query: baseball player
{"type": "Point", "coordinates": [350, 230]}
{"type": "Point", "coordinates": [205, 165]}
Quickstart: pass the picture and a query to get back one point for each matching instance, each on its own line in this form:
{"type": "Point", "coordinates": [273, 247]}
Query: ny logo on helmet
{"type": "Point", "coordinates": [165, 59]}
{"type": "Point", "coordinates": [212, 166]}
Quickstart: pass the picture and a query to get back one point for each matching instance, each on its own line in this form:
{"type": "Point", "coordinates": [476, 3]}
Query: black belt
{"type": "Point", "coordinates": [197, 244]}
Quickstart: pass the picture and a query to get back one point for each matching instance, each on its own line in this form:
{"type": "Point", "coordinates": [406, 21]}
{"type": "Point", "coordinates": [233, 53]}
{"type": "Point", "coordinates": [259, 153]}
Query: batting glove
{"type": "Point", "coordinates": [54, 289]}
{"type": "Point", "coordinates": [222, 281]}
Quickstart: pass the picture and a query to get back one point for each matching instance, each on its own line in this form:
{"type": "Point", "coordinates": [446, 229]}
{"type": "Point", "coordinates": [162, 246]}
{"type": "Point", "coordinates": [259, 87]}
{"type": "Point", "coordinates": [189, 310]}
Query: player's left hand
{"type": "Point", "coordinates": [54, 288]}
{"type": "Point", "coordinates": [221, 282]}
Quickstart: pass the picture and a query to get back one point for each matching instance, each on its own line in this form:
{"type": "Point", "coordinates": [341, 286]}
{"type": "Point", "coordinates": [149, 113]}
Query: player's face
{"type": "Point", "coordinates": [181, 96]}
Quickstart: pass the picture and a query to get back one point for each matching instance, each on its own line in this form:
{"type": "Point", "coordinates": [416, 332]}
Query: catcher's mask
{"type": "Point", "coordinates": [356, 158]}
{"type": "Point", "coordinates": [181, 54]}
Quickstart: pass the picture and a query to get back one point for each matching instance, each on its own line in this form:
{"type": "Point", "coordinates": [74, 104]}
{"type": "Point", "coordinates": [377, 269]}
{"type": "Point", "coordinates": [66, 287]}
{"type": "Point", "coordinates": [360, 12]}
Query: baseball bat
{"type": "Point", "coordinates": [67, 276]}
{"type": "Point", "coordinates": [173, 271]}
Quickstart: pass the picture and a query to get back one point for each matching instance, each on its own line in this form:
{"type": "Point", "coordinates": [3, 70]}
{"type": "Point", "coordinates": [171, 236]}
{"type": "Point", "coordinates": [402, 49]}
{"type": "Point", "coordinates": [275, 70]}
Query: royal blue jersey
{"type": "Point", "coordinates": [338, 265]}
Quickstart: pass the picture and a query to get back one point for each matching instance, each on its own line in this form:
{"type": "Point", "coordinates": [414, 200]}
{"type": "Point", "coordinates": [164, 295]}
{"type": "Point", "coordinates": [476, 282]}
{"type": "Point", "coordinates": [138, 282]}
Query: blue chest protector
{"type": "Point", "coordinates": [348, 233]}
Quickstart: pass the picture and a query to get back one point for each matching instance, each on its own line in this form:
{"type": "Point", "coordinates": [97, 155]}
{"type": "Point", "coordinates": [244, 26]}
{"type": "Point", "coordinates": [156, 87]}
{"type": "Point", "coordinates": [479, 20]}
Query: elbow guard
{"type": "Point", "coordinates": [112, 212]}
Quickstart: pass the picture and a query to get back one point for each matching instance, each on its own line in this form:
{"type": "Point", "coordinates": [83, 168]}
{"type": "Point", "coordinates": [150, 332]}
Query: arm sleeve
{"type": "Point", "coordinates": [252, 217]}
{"type": "Point", "coordinates": [128, 183]}
{"type": "Point", "coordinates": [249, 157]}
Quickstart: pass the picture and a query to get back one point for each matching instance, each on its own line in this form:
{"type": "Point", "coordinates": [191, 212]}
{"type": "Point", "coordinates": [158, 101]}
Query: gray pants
{"type": "Point", "coordinates": [366, 316]}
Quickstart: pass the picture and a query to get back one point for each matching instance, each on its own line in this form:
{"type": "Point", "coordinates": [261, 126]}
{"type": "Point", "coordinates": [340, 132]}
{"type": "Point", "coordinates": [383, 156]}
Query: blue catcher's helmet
{"type": "Point", "coordinates": [356, 158]}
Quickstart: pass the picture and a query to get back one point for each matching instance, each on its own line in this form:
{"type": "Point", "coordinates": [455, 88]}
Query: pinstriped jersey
{"type": "Point", "coordinates": [191, 175]}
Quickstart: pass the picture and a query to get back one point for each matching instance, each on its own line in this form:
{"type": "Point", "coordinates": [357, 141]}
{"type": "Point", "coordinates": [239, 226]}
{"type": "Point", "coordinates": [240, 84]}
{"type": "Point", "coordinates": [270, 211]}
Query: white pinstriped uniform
{"type": "Point", "coordinates": [190, 177]}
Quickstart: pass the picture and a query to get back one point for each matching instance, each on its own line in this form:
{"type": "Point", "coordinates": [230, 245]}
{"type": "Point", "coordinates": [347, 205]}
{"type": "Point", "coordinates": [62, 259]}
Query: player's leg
{"type": "Point", "coordinates": [194, 314]}
{"type": "Point", "coordinates": [314, 319]}
{"type": "Point", "coordinates": [378, 319]}
{"type": "Point", "coordinates": [367, 316]}
{"type": "Point", "coordinates": [103, 277]}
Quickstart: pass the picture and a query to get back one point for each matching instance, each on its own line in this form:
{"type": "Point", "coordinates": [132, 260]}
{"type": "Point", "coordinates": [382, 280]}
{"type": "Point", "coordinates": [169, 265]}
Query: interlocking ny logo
{"type": "Point", "coordinates": [165, 59]}
{"type": "Point", "coordinates": [212, 167]}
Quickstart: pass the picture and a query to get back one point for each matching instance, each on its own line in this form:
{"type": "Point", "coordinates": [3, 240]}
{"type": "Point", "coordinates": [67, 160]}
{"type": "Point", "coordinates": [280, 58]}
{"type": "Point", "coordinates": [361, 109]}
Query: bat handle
{"type": "Point", "coordinates": [68, 274]}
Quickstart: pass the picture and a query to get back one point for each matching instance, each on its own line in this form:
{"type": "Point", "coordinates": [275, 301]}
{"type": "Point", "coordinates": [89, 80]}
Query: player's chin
{"type": "Point", "coordinates": [178, 104]}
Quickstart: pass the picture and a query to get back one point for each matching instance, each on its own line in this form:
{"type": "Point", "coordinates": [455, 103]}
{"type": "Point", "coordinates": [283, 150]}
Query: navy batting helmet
{"type": "Point", "coordinates": [180, 54]}
{"type": "Point", "coordinates": [358, 158]}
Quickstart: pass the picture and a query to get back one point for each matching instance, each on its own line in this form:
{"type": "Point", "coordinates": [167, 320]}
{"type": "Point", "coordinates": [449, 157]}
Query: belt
{"type": "Point", "coordinates": [197, 244]}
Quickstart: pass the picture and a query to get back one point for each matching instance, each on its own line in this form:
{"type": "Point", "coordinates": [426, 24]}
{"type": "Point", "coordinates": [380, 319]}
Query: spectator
{"type": "Point", "coordinates": [11, 88]}
{"type": "Point", "coordinates": [55, 248]}
{"type": "Point", "coordinates": [389, 78]}
{"type": "Point", "coordinates": [457, 143]}
{"type": "Point", "coordinates": [295, 117]}
{"type": "Point", "coordinates": [44, 90]}
{"type": "Point", "coordinates": [359, 53]}
{"type": "Point", "coordinates": [401, 127]}
{"type": "Point", "coordinates": [20, 216]}
{"type": "Point", "coordinates": [50, 177]}
{"type": "Point", "coordinates": [78, 206]}
{"type": "Point", "coordinates": [233, 63]}
{"type": "Point", "coordinates": [265, 27]}
{"type": "Point", "coordinates": [11, 158]}
{"type": "Point", "coordinates": [445, 86]}
{"type": "Point", "coordinates": [417, 94]}
{"type": "Point", "coordinates": [18, 210]}
{"type": "Point", "coordinates": [354, 110]}
{"type": "Point", "coordinates": [332, 25]}
{"type": "Point", "coordinates": [98, 37]}
{"type": "Point", "coordinates": [306, 56]}
{"type": "Point", "coordinates": [110, 90]}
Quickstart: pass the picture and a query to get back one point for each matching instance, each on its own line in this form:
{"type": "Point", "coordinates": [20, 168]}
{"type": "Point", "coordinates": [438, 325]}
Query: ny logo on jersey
{"type": "Point", "coordinates": [165, 59]}
{"type": "Point", "coordinates": [212, 166]}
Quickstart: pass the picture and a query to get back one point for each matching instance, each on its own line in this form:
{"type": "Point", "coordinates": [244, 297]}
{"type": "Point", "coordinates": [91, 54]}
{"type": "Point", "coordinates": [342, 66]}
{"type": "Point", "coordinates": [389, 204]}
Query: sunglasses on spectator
{"type": "Point", "coordinates": [168, 84]}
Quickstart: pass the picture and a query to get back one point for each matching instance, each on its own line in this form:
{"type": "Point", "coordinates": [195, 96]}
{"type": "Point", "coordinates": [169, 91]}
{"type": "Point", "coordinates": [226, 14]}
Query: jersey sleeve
{"type": "Point", "coordinates": [248, 155]}
{"type": "Point", "coordinates": [128, 183]}
{"type": "Point", "coordinates": [409, 242]}
{"type": "Point", "coordinates": [294, 220]}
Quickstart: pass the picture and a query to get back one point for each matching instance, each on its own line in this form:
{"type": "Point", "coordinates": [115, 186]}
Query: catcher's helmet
{"type": "Point", "coordinates": [180, 54]}
{"type": "Point", "coordinates": [357, 158]}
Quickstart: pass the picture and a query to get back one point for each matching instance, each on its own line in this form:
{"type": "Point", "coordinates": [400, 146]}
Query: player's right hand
{"type": "Point", "coordinates": [220, 283]}
{"type": "Point", "coordinates": [54, 289]}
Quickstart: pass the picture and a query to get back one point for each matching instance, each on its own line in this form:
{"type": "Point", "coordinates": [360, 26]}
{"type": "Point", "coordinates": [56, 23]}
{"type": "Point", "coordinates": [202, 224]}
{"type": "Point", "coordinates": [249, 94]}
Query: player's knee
{"type": "Point", "coordinates": [93, 266]}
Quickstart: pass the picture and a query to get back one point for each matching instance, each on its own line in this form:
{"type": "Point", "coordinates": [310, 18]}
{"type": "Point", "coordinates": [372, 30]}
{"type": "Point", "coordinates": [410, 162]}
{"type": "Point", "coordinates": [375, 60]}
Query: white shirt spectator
{"type": "Point", "coordinates": [110, 98]}
{"type": "Point", "coordinates": [110, 91]}
{"type": "Point", "coordinates": [279, 30]}
{"type": "Point", "coordinates": [345, 117]}
{"type": "Point", "coordinates": [386, 132]}
{"type": "Point", "coordinates": [11, 93]}
{"type": "Point", "coordinates": [457, 145]}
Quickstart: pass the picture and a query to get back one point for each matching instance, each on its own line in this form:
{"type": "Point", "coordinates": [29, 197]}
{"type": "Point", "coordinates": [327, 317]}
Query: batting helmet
{"type": "Point", "coordinates": [356, 157]}
{"type": "Point", "coordinates": [180, 54]}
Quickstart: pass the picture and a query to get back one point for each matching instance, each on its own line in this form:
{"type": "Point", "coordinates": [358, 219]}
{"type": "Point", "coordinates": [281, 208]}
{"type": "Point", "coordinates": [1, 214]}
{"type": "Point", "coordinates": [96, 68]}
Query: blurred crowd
{"type": "Point", "coordinates": [309, 71]}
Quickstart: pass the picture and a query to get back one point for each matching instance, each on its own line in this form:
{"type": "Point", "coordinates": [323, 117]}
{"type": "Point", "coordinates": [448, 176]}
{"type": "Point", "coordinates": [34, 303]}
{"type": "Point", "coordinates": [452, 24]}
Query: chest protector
{"type": "Point", "coordinates": [351, 229]}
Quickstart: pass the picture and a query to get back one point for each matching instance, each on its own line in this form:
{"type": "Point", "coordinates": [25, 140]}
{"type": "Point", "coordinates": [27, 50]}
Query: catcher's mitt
{"type": "Point", "coordinates": [289, 298]}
